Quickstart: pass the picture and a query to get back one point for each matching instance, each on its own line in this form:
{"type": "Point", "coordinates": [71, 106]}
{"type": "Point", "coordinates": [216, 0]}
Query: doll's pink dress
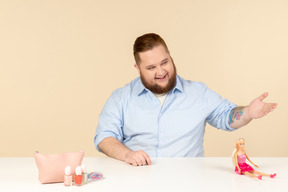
{"type": "Point", "coordinates": [242, 165]}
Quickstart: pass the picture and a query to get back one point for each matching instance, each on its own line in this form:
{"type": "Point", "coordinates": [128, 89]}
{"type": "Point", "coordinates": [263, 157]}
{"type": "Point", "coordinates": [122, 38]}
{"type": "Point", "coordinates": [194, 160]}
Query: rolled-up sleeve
{"type": "Point", "coordinates": [110, 120]}
{"type": "Point", "coordinates": [219, 118]}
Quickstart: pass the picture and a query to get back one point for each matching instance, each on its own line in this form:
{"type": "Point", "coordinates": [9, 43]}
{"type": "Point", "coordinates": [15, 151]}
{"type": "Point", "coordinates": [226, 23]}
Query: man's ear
{"type": "Point", "coordinates": [137, 67]}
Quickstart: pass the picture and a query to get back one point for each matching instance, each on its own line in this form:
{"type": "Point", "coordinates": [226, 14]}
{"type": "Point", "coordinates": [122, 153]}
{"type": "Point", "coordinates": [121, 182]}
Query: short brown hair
{"type": "Point", "coordinates": [147, 42]}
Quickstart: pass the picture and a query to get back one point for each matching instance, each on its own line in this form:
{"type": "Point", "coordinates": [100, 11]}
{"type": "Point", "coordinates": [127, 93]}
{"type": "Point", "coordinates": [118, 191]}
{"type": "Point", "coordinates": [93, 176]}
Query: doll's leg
{"type": "Point", "coordinates": [260, 173]}
{"type": "Point", "coordinates": [265, 174]}
{"type": "Point", "coordinates": [252, 175]}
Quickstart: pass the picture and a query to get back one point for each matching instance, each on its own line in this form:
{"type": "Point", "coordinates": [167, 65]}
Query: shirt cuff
{"type": "Point", "coordinates": [229, 128]}
{"type": "Point", "coordinates": [102, 136]}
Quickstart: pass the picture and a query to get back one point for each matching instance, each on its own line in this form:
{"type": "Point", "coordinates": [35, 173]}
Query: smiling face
{"type": "Point", "coordinates": [241, 144]}
{"type": "Point", "coordinates": [157, 70]}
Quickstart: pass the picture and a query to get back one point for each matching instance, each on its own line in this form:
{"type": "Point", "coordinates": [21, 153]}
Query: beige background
{"type": "Point", "coordinates": [61, 59]}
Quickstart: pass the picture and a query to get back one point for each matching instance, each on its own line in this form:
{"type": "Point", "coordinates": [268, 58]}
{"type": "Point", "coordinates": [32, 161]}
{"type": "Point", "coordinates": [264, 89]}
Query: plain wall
{"type": "Point", "coordinates": [61, 59]}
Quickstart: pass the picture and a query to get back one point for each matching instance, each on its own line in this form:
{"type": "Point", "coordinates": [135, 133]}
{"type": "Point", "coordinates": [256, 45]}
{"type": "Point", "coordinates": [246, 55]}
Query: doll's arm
{"type": "Point", "coordinates": [251, 161]}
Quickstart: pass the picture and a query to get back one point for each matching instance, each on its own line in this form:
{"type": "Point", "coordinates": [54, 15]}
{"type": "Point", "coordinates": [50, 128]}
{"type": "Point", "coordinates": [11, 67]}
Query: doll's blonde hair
{"type": "Point", "coordinates": [236, 149]}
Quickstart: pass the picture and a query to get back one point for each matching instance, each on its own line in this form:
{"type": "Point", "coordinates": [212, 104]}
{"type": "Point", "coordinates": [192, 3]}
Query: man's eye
{"type": "Point", "coordinates": [150, 68]}
{"type": "Point", "coordinates": [165, 62]}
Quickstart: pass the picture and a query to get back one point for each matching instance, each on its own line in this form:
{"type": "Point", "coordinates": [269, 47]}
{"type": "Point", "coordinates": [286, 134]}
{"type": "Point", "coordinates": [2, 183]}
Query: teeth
{"type": "Point", "coordinates": [161, 77]}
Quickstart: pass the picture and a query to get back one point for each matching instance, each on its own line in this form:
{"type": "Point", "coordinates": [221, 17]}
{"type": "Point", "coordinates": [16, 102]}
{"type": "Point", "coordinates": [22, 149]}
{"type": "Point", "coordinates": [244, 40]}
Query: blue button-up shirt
{"type": "Point", "coordinates": [134, 116]}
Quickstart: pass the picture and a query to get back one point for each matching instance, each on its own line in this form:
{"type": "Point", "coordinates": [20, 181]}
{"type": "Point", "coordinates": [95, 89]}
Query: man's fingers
{"type": "Point", "coordinates": [141, 161]}
{"type": "Point", "coordinates": [147, 159]}
{"type": "Point", "coordinates": [273, 105]}
{"type": "Point", "coordinates": [263, 96]}
{"type": "Point", "coordinates": [144, 159]}
{"type": "Point", "coordinates": [270, 107]}
{"type": "Point", "coordinates": [133, 162]}
{"type": "Point", "coordinates": [138, 158]}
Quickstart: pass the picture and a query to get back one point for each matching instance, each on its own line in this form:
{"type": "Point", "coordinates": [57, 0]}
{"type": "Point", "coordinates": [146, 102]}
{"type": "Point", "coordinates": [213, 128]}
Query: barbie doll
{"type": "Point", "coordinates": [241, 167]}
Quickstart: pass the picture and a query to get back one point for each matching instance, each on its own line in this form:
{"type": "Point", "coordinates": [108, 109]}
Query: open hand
{"type": "Point", "coordinates": [258, 108]}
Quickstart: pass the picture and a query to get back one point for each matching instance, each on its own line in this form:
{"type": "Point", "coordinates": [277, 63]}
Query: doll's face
{"type": "Point", "coordinates": [241, 145]}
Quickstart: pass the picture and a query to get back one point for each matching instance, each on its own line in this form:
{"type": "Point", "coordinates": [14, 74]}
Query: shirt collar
{"type": "Point", "coordinates": [178, 85]}
{"type": "Point", "coordinates": [141, 89]}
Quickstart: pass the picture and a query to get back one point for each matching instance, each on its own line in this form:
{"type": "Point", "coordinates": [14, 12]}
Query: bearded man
{"type": "Point", "coordinates": [159, 114]}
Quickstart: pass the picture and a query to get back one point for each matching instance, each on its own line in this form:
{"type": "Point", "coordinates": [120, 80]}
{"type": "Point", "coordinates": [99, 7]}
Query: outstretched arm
{"type": "Point", "coordinates": [241, 116]}
{"type": "Point", "coordinates": [251, 161]}
{"type": "Point", "coordinates": [115, 149]}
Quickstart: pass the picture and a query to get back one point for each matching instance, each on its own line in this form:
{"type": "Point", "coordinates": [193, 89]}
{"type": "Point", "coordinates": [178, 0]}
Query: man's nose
{"type": "Point", "coordinates": [160, 71]}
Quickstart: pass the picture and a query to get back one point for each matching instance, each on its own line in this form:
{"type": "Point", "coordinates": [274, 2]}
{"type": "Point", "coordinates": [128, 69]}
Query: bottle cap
{"type": "Point", "coordinates": [78, 170]}
{"type": "Point", "coordinates": [83, 168]}
{"type": "Point", "coordinates": [67, 170]}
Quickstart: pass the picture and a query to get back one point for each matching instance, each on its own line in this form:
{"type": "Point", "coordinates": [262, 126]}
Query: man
{"type": "Point", "coordinates": [159, 114]}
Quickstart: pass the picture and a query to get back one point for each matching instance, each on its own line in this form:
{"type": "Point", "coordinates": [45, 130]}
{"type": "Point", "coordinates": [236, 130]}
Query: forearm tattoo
{"type": "Point", "coordinates": [235, 114]}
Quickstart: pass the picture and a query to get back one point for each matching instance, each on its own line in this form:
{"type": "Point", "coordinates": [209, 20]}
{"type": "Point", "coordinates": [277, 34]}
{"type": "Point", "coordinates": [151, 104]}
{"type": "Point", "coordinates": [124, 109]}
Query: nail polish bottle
{"type": "Point", "coordinates": [84, 174]}
{"type": "Point", "coordinates": [67, 176]}
{"type": "Point", "coordinates": [78, 176]}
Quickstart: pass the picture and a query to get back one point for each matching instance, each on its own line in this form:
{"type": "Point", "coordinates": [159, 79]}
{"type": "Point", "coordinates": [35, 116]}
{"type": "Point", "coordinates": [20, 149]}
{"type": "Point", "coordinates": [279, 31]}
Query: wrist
{"type": "Point", "coordinates": [127, 154]}
{"type": "Point", "coordinates": [246, 114]}
{"type": "Point", "coordinates": [239, 117]}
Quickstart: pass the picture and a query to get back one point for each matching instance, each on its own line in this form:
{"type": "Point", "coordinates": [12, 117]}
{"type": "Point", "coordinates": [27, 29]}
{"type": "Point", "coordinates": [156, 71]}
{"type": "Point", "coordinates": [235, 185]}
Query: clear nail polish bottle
{"type": "Point", "coordinates": [84, 174]}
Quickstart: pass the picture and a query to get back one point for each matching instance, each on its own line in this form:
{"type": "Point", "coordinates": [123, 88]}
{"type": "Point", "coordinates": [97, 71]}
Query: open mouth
{"type": "Point", "coordinates": [161, 78]}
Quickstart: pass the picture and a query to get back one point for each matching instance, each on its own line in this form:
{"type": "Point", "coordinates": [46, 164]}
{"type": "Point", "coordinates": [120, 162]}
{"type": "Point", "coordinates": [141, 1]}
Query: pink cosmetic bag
{"type": "Point", "coordinates": [51, 166]}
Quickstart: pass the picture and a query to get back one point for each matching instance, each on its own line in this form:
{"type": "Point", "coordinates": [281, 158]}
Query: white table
{"type": "Point", "coordinates": [165, 174]}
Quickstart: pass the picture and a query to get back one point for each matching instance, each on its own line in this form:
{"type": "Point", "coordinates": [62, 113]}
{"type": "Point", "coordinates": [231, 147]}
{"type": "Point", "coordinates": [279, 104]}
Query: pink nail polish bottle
{"type": "Point", "coordinates": [78, 176]}
{"type": "Point", "coordinates": [67, 176]}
